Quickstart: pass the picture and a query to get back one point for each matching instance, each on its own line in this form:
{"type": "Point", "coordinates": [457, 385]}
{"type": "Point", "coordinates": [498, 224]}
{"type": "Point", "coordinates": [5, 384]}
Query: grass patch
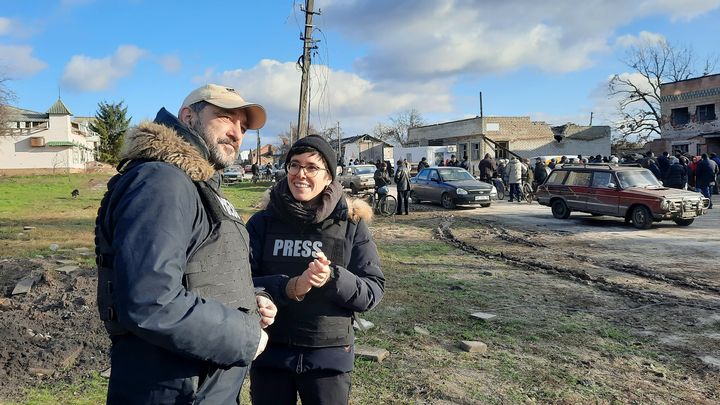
{"type": "Point", "coordinates": [89, 391]}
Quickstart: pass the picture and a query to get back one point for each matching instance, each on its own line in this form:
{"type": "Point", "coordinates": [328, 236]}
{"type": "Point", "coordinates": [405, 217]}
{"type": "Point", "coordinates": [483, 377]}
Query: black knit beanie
{"type": "Point", "coordinates": [319, 144]}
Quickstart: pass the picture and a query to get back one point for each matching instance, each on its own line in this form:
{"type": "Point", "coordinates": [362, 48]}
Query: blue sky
{"type": "Point", "coordinates": [549, 60]}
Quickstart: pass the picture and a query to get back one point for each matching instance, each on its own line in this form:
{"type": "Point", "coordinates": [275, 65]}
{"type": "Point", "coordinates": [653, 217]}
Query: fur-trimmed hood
{"type": "Point", "coordinates": [167, 140]}
{"type": "Point", "coordinates": [357, 208]}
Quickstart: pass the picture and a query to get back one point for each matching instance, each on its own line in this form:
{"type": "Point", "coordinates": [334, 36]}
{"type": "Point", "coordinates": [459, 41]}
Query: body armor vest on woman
{"type": "Point", "coordinates": [316, 321]}
{"type": "Point", "coordinates": [219, 269]}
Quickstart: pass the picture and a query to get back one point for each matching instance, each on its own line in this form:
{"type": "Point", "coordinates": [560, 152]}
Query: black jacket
{"type": "Point", "coordinates": [154, 221]}
{"type": "Point", "coordinates": [676, 176]}
{"type": "Point", "coordinates": [357, 285]}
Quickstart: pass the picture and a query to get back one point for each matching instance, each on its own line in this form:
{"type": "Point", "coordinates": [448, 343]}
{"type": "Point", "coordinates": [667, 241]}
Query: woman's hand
{"type": "Point", "coordinates": [315, 276]}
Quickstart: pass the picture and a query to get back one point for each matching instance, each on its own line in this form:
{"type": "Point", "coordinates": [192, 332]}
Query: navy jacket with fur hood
{"type": "Point", "coordinates": [181, 348]}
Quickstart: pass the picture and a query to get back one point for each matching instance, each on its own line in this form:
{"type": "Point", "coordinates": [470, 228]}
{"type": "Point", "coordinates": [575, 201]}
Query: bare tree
{"type": "Point", "coordinates": [652, 63]}
{"type": "Point", "coordinates": [397, 129]}
{"type": "Point", "coordinates": [7, 97]}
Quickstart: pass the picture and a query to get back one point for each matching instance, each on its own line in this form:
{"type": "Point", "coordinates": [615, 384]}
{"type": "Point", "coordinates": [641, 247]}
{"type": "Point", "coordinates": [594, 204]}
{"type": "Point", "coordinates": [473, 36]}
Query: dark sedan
{"type": "Point", "coordinates": [450, 186]}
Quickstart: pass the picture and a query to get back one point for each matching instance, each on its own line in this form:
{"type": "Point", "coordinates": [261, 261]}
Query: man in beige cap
{"type": "Point", "coordinates": [175, 290]}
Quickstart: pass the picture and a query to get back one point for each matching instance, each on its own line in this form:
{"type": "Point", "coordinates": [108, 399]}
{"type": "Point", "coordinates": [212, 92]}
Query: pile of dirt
{"type": "Point", "coordinates": [52, 331]}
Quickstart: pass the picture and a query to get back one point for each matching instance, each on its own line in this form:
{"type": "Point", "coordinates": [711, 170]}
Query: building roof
{"type": "Point", "coordinates": [21, 114]}
{"type": "Point", "coordinates": [59, 108]}
{"type": "Point", "coordinates": [365, 137]}
{"type": "Point", "coordinates": [581, 132]}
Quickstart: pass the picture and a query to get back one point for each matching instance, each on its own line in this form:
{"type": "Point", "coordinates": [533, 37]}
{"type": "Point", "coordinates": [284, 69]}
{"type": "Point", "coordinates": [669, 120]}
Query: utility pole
{"type": "Point", "coordinates": [257, 158]}
{"type": "Point", "coordinates": [591, 116]}
{"type": "Point", "coordinates": [338, 134]}
{"type": "Point", "coordinates": [308, 45]}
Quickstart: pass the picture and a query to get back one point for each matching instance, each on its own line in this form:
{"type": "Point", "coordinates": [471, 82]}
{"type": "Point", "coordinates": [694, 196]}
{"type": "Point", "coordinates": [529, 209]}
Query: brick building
{"type": "Point", "coordinates": [689, 119]}
{"type": "Point", "coordinates": [477, 136]}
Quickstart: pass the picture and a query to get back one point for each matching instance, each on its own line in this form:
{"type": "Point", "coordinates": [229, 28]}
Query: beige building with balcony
{"type": "Point", "coordinates": [689, 116]}
{"type": "Point", "coordinates": [498, 136]}
{"type": "Point", "coordinates": [50, 142]}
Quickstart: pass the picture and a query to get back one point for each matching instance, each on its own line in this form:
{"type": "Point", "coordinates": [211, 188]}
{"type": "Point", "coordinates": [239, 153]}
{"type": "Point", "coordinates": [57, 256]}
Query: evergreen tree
{"type": "Point", "coordinates": [110, 124]}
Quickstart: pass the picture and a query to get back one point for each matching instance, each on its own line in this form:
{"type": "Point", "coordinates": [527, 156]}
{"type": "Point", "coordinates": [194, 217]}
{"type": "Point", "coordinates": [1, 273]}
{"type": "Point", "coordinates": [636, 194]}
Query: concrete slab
{"type": "Point", "coordinates": [483, 315]}
{"type": "Point", "coordinates": [362, 324]}
{"type": "Point", "coordinates": [371, 353]}
{"type": "Point", "coordinates": [67, 269]}
{"type": "Point", "coordinates": [23, 286]}
{"type": "Point", "coordinates": [473, 346]}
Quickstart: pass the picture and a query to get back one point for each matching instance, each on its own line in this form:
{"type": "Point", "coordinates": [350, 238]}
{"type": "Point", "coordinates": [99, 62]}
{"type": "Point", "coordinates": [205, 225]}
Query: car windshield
{"type": "Point", "coordinates": [364, 170]}
{"type": "Point", "coordinates": [638, 178]}
{"type": "Point", "coordinates": [455, 174]}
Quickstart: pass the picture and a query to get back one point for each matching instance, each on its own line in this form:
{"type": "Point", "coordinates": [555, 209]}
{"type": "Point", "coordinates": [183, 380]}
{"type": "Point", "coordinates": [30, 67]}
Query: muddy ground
{"type": "Point", "coordinates": [662, 283]}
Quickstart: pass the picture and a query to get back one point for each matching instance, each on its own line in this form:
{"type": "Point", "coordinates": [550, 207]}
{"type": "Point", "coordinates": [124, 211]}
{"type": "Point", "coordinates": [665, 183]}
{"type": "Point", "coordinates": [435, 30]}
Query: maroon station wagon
{"type": "Point", "coordinates": [628, 192]}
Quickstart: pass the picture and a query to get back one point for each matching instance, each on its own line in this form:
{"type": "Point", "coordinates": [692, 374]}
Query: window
{"type": "Point", "coordinates": [601, 179]}
{"type": "Point", "coordinates": [680, 116]}
{"type": "Point", "coordinates": [462, 151]}
{"type": "Point", "coordinates": [501, 150]}
{"type": "Point", "coordinates": [423, 175]}
{"type": "Point", "coordinates": [681, 148]}
{"type": "Point", "coordinates": [434, 175]}
{"type": "Point", "coordinates": [475, 151]}
{"type": "Point", "coordinates": [556, 178]}
{"type": "Point", "coordinates": [705, 113]}
{"type": "Point", "coordinates": [578, 179]}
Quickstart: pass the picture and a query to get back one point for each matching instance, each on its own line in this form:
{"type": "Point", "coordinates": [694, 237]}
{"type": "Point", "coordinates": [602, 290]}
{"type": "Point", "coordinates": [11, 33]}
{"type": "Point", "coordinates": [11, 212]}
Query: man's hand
{"type": "Point", "coordinates": [316, 275]}
{"type": "Point", "coordinates": [262, 344]}
{"type": "Point", "coordinates": [267, 310]}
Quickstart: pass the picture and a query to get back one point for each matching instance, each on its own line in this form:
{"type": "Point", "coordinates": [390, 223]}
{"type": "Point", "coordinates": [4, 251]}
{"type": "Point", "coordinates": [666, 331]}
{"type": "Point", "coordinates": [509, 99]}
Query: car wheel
{"type": "Point", "coordinates": [412, 197]}
{"type": "Point", "coordinates": [447, 201]}
{"type": "Point", "coordinates": [641, 217]}
{"type": "Point", "coordinates": [560, 210]}
{"type": "Point", "coordinates": [484, 205]}
{"type": "Point", "coordinates": [353, 189]}
{"type": "Point", "coordinates": [684, 221]}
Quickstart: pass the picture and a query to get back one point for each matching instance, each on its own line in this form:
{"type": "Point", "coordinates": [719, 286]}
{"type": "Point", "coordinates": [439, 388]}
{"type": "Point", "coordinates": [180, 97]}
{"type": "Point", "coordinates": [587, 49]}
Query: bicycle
{"type": "Point", "coordinates": [384, 204]}
{"type": "Point", "coordinates": [528, 194]}
{"type": "Point", "coordinates": [500, 187]}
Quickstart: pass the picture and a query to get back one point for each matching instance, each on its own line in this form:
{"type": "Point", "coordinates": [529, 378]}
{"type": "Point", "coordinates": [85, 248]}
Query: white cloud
{"type": "Point", "coordinates": [84, 73]}
{"type": "Point", "coordinates": [644, 37]}
{"type": "Point", "coordinates": [5, 25]}
{"type": "Point", "coordinates": [17, 61]}
{"type": "Point", "coordinates": [407, 39]}
{"type": "Point", "coordinates": [355, 101]}
{"type": "Point", "coordinates": [170, 63]}
{"type": "Point", "coordinates": [684, 10]}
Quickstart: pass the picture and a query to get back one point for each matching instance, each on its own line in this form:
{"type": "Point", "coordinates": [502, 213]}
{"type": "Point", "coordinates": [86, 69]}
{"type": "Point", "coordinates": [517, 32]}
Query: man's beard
{"type": "Point", "coordinates": [217, 157]}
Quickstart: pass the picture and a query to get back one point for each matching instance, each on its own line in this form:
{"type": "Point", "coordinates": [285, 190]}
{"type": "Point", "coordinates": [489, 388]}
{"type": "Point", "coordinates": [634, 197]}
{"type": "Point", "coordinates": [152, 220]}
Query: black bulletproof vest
{"type": "Point", "coordinates": [219, 269]}
{"type": "Point", "coordinates": [315, 321]}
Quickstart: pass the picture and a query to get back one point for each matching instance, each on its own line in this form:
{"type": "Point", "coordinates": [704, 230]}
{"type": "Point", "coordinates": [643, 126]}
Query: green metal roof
{"type": "Point", "coordinates": [60, 143]}
{"type": "Point", "coordinates": [59, 108]}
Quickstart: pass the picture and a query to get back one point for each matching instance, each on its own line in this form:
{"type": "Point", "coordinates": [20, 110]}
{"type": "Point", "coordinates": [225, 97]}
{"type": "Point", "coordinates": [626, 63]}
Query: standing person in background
{"type": "Point", "coordinates": [705, 173]}
{"type": "Point", "coordinates": [486, 168]}
{"type": "Point", "coordinates": [676, 174]}
{"type": "Point", "coordinates": [313, 251]}
{"type": "Point", "coordinates": [423, 163]}
{"type": "Point", "coordinates": [540, 172]}
{"type": "Point", "coordinates": [515, 172]}
{"type": "Point", "coordinates": [174, 286]}
{"type": "Point", "coordinates": [402, 181]}
{"type": "Point", "coordinates": [465, 164]}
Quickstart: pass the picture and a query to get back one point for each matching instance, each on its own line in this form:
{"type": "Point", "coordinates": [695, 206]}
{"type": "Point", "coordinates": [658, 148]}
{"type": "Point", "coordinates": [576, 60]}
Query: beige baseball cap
{"type": "Point", "coordinates": [228, 98]}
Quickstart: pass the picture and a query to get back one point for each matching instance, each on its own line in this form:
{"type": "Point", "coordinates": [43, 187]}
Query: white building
{"type": "Point", "coordinates": [48, 142]}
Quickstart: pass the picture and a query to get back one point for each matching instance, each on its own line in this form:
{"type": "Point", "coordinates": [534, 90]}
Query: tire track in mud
{"type": "Point", "coordinates": [444, 232]}
{"type": "Point", "coordinates": [629, 268]}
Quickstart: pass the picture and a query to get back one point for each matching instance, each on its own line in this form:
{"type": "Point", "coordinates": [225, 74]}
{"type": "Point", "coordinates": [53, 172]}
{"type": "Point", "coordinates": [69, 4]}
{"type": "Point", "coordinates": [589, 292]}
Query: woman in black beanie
{"type": "Point", "coordinates": [313, 252]}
